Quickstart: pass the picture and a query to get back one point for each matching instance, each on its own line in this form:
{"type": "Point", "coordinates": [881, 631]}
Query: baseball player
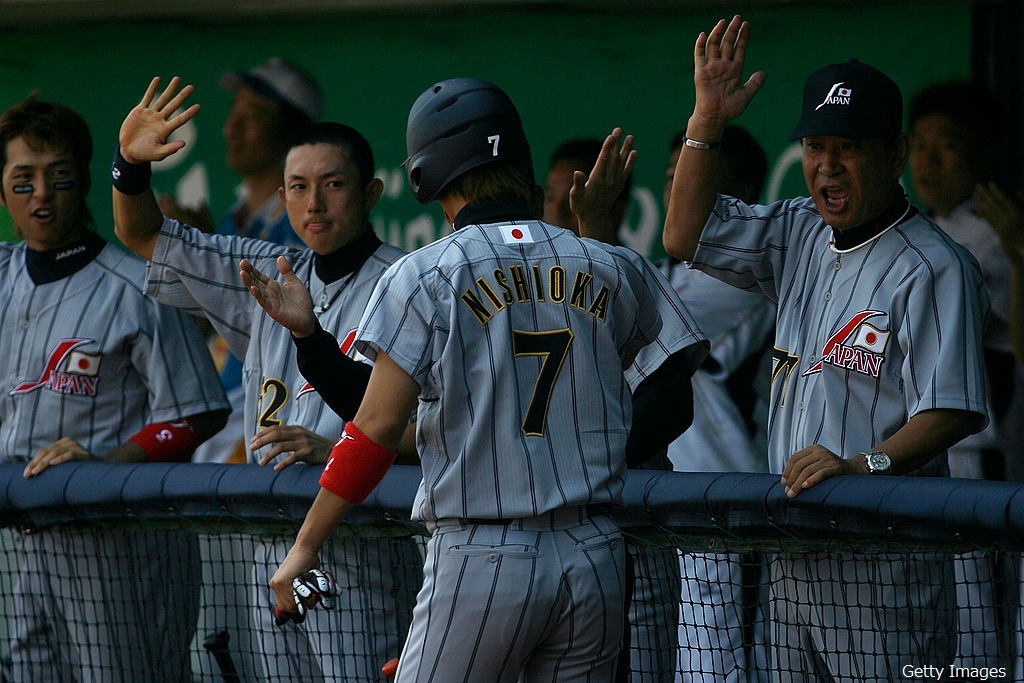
{"type": "Point", "coordinates": [329, 191]}
{"type": "Point", "coordinates": [877, 356]}
{"type": "Point", "coordinates": [93, 370]}
{"type": "Point", "coordinates": [509, 338]}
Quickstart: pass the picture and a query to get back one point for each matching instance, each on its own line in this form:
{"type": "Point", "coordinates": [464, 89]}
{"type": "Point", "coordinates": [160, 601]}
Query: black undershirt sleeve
{"type": "Point", "coordinates": [340, 381]}
{"type": "Point", "coordinates": [662, 408]}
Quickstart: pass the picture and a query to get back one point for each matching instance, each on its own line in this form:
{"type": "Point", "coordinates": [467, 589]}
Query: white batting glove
{"type": "Point", "coordinates": [317, 586]}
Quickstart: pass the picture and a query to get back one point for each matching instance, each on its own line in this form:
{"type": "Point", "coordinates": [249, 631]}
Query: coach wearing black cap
{"type": "Point", "coordinates": [877, 363]}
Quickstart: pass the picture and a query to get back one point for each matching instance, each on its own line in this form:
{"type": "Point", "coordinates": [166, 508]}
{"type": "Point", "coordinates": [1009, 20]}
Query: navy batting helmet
{"type": "Point", "coordinates": [456, 126]}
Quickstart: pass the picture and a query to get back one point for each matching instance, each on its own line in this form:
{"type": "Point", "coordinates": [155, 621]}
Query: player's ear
{"type": "Point", "coordinates": [372, 192]}
{"type": "Point", "coordinates": [280, 193]}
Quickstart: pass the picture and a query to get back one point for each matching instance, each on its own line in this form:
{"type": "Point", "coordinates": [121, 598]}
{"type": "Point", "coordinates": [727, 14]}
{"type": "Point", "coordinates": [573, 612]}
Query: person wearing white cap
{"type": "Point", "coordinates": [272, 102]}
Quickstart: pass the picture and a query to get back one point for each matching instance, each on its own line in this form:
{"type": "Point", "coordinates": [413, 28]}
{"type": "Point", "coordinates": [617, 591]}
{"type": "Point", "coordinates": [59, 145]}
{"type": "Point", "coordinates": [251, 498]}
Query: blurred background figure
{"type": "Point", "coordinates": [954, 149]}
{"type": "Point", "coordinates": [577, 154]}
{"type": "Point", "coordinates": [271, 103]}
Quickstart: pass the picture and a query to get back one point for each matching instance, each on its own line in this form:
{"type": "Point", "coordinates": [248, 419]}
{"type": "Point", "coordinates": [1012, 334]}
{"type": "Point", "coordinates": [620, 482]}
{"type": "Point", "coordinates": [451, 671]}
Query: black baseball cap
{"type": "Point", "coordinates": [850, 100]}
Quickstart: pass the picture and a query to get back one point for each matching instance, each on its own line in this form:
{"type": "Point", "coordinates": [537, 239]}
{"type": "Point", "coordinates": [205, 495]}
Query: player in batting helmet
{"type": "Point", "coordinates": [457, 125]}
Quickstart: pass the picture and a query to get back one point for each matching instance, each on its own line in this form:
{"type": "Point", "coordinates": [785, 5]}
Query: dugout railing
{"type": "Point", "coordinates": [190, 532]}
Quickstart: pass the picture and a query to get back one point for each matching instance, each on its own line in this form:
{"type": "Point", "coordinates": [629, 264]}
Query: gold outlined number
{"type": "Point", "coordinates": [554, 347]}
{"type": "Point", "coordinates": [783, 365]}
{"type": "Point", "coordinates": [277, 392]}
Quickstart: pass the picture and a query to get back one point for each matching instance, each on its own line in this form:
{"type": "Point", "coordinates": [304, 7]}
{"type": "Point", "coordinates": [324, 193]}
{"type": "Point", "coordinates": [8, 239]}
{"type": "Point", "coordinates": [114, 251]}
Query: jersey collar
{"type": "Point", "coordinates": [494, 211]}
{"type": "Point", "coordinates": [897, 212]}
{"type": "Point", "coordinates": [346, 260]}
{"type": "Point", "coordinates": [56, 264]}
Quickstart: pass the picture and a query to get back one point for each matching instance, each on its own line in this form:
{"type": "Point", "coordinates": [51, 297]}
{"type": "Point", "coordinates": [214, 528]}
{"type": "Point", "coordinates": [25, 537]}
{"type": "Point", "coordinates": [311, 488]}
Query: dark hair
{"type": "Point", "coordinates": [967, 104]}
{"type": "Point", "coordinates": [53, 125]}
{"type": "Point", "coordinates": [584, 152]}
{"type": "Point", "coordinates": [488, 182]}
{"type": "Point", "coordinates": [743, 156]}
{"type": "Point", "coordinates": [338, 135]}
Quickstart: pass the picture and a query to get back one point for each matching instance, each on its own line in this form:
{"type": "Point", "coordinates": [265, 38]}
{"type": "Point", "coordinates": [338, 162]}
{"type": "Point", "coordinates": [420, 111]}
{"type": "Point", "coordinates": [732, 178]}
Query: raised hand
{"type": "Point", "coordinates": [1005, 213]}
{"type": "Point", "coordinates": [145, 131]}
{"type": "Point", "coordinates": [592, 198]}
{"type": "Point", "coordinates": [718, 59]}
{"type": "Point", "coordinates": [289, 303]}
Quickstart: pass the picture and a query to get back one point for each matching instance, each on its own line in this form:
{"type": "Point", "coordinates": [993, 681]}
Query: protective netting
{"type": "Point", "coordinates": [159, 573]}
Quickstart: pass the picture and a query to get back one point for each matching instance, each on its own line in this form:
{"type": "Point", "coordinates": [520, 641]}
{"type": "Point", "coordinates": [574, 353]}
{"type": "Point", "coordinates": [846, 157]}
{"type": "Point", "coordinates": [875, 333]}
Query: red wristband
{"type": "Point", "coordinates": [167, 441]}
{"type": "Point", "coordinates": [356, 466]}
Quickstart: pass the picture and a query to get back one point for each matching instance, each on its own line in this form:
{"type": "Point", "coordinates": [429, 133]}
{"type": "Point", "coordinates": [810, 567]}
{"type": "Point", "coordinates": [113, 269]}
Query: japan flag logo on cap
{"type": "Point", "coordinates": [837, 94]}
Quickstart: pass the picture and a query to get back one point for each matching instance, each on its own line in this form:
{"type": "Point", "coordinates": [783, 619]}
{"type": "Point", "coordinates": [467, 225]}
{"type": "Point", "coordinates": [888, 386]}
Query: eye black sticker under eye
{"type": "Point", "coordinates": [23, 189]}
{"type": "Point", "coordinates": [64, 185]}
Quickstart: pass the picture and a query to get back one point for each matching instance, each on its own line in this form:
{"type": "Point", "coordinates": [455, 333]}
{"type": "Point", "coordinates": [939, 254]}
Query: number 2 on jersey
{"type": "Point", "coordinates": [554, 347]}
{"type": "Point", "coordinates": [273, 396]}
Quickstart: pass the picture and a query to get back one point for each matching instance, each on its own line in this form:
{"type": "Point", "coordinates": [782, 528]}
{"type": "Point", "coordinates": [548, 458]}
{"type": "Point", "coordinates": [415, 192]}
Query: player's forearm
{"type": "Point", "coordinates": [129, 451]}
{"type": "Point", "coordinates": [137, 221]}
{"type": "Point", "coordinates": [926, 435]}
{"type": "Point", "coordinates": [693, 192]}
{"type": "Point", "coordinates": [173, 441]}
{"type": "Point", "coordinates": [209, 423]}
{"type": "Point", "coordinates": [340, 381]}
{"type": "Point", "coordinates": [324, 515]}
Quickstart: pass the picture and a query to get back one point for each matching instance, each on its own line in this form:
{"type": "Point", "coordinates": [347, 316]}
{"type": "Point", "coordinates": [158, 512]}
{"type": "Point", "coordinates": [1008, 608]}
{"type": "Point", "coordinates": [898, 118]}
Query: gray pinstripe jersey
{"type": "Point", "coordinates": [517, 334]}
{"type": "Point", "coordinates": [199, 272]}
{"type": "Point", "coordinates": [91, 358]}
{"type": "Point", "coordinates": [866, 337]}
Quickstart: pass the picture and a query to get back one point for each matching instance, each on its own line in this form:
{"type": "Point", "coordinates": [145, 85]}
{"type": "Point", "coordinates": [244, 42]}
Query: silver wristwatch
{"type": "Point", "coordinates": [877, 462]}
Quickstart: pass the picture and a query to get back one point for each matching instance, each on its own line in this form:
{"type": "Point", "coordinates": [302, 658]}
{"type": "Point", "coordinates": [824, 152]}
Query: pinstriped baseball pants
{"type": "Point", "coordinates": [537, 599]}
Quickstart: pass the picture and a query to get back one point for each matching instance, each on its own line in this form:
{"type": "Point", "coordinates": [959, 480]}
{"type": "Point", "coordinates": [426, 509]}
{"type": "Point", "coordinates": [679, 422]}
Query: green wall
{"type": "Point", "coordinates": [571, 74]}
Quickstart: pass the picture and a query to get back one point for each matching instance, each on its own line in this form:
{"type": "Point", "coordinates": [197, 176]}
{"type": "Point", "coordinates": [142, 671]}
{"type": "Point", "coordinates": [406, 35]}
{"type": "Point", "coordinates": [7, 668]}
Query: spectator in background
{"type": "Point", "coordinates": [329, 192]}
{"type": "Point", "coordinates": [98, 372]}
{"type": "Point", "coordinates": [724, 597]}
{"type": "Point", "coordinates": [854, 271]}
{"type": "Point", "coordinates": [954, 150]}
{"type": "Point", "coordinates": [272, 102]}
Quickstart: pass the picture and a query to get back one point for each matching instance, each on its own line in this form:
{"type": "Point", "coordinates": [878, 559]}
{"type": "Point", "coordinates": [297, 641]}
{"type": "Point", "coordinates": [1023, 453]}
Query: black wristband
{"type": "Point", "coordinates": [127, 177]}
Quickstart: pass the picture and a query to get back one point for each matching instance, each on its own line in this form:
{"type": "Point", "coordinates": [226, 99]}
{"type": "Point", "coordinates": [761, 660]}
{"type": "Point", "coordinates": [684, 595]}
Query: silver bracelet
{"type": "Point", "coordinates": [697, 144]}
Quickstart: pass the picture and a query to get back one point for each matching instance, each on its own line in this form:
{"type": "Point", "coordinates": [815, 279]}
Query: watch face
{"type": "Point", "coordinates": [878, 462]}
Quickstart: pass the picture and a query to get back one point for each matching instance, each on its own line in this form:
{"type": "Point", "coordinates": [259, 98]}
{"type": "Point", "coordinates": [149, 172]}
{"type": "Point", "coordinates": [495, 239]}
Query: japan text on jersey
{"type": "Point", "coordinates": [66, 371]}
